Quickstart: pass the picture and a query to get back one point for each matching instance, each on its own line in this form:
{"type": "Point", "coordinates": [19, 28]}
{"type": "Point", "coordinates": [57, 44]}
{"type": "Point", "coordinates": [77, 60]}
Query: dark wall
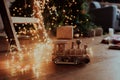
{"type": "Point", "coordinates": [111, 1]}
{"type": "Point", "coordinates": [114, 1]}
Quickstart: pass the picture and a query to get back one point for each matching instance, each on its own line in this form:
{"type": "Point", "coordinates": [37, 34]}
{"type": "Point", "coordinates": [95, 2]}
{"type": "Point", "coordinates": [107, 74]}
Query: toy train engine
{"type": "Point", "coordinates": [61, 55]}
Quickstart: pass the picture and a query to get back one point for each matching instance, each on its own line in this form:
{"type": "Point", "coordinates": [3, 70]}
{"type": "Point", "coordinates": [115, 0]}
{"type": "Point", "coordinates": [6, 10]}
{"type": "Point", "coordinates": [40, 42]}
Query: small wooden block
{"type": "Point", "coordinates": [65, 32]}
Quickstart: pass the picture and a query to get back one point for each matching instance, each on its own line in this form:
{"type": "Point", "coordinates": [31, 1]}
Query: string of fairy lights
{"type": "Point", "coordinates": [18, 10]}
{"type": "Point", "coordinates": [54, 13]}
{"type": "Point", "coordinates": [31, 57]}
{"type": "Point", "coordinates": [20, 62]}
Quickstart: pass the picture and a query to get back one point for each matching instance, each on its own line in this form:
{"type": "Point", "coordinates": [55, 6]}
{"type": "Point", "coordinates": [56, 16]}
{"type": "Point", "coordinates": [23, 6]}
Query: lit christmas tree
{"type": "Point", "coordinates": [56, 13]}
{"type": "Point", "coordinates": [67, 12]}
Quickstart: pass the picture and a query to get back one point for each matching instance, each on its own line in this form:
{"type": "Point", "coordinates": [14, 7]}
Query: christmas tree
{"type": "Point", "coordinates": [56, 13]}
{"type": "Point", "coordinates": [67, 12]}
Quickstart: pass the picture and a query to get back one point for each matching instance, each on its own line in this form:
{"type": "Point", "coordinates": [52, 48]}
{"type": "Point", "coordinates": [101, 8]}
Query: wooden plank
{"type": "Point", "coordinates": [24, 20]}
{"type": "Point", "coordinates": [8, 24]}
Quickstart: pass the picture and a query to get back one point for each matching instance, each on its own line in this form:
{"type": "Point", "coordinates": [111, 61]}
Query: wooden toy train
{"type": "Point", "coordinates": [69, 56]}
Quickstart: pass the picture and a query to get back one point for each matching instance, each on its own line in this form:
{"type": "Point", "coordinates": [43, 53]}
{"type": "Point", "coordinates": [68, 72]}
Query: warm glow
{"type": "Point", "coordinates": [40, 51]}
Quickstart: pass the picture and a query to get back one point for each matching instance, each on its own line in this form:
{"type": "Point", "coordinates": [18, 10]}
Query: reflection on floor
{"type": "Point", "coordinates": [34, 63]}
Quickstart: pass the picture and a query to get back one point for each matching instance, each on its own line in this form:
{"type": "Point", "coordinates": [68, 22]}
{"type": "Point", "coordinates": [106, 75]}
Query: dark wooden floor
{"type": "Point", "coordinates": [34, 63]}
